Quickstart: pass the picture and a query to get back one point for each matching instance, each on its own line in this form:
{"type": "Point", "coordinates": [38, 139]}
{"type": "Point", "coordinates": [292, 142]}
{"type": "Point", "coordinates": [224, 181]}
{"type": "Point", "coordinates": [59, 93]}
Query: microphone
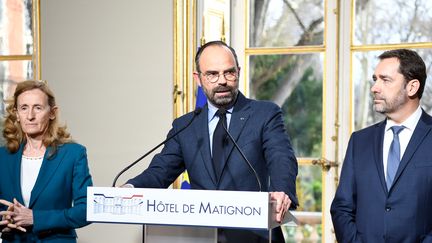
{"type": "Point", "coordinates": [196, 112]}
{"type": "Point", "coordinates": [222, 113]}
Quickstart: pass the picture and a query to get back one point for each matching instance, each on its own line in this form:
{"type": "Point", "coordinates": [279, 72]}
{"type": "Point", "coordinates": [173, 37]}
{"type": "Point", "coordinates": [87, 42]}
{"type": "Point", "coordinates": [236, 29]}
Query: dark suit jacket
{"type": "Point", "coordinates": [259, 131]}
{"type": "Point", "coordinates": [62, 180]}
{"type": "Point", "coordinates": [363, 210]}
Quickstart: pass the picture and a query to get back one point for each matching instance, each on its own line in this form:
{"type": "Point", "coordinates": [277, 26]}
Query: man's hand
{"type": "Point", "coordinates": [283, 202]}
{"type": "Point", "coordinates": [127, 186]}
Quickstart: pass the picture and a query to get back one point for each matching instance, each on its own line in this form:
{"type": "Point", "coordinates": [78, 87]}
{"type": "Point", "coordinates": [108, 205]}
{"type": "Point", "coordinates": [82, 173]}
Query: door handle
{"type": "Point", "coordinates": [176, 92]}
{"type": "Point", "coordinates": [325, 163]}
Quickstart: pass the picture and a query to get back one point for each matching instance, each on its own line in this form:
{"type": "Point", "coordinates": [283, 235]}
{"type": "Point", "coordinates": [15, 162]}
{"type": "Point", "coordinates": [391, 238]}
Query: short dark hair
{"type": "Point", "coordinates": [411, 66]}
{"type": "Point", "coordinates": [213, 43]}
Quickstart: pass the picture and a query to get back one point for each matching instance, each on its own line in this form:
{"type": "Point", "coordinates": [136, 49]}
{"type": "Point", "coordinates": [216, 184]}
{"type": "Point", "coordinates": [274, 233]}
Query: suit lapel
{"type": "Point", "coordinates": [46, 172]}
{"type": "Point", "coordinates": [378, 152]}
{"type": "Point", "coordinates": [239, 118]}
{"type": "Point", "coordinates": [16, 173]}
{"type": "Point", "coordinates": [202, 133]}
{"type": "Point", "coordinates": [421, 131]}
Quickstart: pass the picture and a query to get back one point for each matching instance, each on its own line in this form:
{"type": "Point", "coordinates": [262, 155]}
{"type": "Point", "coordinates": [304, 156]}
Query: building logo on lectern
{"type": "Point", "coordinates": [117, 204]}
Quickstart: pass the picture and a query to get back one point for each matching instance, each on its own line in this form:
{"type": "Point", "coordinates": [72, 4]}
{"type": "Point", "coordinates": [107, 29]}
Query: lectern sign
{"type": "Point", "coordinates": [179, 207]}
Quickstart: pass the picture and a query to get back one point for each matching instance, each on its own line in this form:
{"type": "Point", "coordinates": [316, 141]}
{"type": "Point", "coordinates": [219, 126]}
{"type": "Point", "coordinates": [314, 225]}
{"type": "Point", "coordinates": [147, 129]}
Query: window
{"type": "Point", "coordinates": [18, 58]}
{"type": "Point", "coordinates": [375, 30]}
{"type": "Point", "coordinates": [285, 56]}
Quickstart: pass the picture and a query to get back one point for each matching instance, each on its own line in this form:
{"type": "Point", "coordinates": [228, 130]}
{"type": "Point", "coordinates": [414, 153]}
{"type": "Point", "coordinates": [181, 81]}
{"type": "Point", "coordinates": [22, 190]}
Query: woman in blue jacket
{"type": "Point", "coordinates": [44, 179]}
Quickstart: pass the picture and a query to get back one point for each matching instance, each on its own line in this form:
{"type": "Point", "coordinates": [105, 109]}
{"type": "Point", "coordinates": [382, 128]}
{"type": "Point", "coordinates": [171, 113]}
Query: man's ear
{"type": "Point", "coordinates": [412, 87]}
{"type": "Point", "coordinates": [196, 77]}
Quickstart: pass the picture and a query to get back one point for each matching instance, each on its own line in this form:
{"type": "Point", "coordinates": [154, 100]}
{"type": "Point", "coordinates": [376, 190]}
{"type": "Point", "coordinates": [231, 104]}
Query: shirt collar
{"type": "Point", "coordinates": [409, 123]}
{"type": "Point", "coordinates": [213, 109]}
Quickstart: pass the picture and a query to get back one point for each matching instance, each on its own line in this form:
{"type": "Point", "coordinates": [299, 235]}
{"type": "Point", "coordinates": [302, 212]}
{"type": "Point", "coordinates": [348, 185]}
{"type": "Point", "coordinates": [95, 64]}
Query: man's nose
{"type": "Point", "coordinates": [375, 87]}
{"type": "Point", "coordinates": [222, 80]}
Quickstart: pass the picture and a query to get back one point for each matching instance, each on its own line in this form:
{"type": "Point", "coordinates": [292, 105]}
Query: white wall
{"type": "Point", "coordinates": [110, 64]}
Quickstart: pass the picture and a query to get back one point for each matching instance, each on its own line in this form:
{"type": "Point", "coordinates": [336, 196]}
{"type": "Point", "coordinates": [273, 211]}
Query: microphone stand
{"type": "Point", "coordinates": [222, 112]}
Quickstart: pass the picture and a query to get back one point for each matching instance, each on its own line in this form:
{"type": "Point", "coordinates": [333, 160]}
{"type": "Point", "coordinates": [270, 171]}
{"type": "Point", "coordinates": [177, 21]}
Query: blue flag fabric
{"type": "Point", "coordinates": [201, 100]}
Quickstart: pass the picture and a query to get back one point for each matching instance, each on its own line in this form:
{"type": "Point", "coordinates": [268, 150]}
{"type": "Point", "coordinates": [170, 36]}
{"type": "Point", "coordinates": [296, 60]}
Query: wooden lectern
{"type": "Point", "coordinates": [182, 215]}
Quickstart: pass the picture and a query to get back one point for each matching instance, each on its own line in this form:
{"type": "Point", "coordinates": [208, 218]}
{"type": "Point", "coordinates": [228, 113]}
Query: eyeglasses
{"type": "Point", "coordinates": [213, 77]}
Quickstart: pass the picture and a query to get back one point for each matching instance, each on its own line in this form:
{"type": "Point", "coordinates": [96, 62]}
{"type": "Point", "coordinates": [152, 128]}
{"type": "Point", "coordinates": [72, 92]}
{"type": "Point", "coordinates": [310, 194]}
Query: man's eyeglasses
{"type": "Point", "coordinates": [213, 77]}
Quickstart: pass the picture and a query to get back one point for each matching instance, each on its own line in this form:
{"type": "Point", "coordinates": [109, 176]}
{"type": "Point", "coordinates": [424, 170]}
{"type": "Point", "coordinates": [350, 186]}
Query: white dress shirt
{"type": "Point", "coordinates": [30, 167]}
{"type": "Point", "coordinates": [213, 121]}
{"type": "Point", "coordinates": [404, 136]}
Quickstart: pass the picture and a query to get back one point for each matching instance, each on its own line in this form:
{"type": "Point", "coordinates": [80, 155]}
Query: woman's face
{"type": "Point", "coordinates": [34, 113]}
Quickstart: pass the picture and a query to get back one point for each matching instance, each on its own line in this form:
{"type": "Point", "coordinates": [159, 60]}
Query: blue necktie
{"type": "Point", "coordinates": [219, 140]}
{"type": "Point", "coordinates": [393, 156]}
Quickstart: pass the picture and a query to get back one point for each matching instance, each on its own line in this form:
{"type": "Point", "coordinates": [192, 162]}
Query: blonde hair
{"type": "Point", "coordinates": [55, 134]}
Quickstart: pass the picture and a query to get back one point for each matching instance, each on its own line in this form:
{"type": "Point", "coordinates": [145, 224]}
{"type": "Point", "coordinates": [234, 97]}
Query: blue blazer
{"type": "Point", "coordinates": [363, 210]}
{"type": "Point", "coordinates": [259, 131]}
{"type": "Point", "coordinates": [63, 179]}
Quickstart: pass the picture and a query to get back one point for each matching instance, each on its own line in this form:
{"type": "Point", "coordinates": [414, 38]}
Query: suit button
{"type": "Point", "coordinates": [388, 209]}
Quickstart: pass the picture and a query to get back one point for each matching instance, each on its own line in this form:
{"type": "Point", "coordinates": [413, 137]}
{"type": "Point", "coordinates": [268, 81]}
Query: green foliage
{"type": "Point", "coordinates": [317, 193]}
{"type": "Point", "coordinates": [303, 116]}
{"type": "Point", "coordinates": [302, 109]}
{"type": "Point", "coordinates": [309, 188]}
{"type": "Point", "coordinates": [265, 89]}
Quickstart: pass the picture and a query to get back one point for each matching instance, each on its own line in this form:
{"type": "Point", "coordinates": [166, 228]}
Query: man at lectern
{"type": "Point", "coordinates": [233, 143]}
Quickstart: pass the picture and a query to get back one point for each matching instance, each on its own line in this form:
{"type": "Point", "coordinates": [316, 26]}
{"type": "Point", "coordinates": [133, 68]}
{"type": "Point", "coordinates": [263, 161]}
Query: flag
{"type": "Point", "coordinates": [201, 100]}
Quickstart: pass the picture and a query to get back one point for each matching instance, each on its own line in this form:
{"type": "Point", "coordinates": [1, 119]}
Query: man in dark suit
{"type": "Point", "coordinates": [256, 126]}
{"type": "Point", "coordinates": [385, 190]}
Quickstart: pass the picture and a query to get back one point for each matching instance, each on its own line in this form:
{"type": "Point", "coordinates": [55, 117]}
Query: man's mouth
{"type": "Point", "coordinates": [378, 100]}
